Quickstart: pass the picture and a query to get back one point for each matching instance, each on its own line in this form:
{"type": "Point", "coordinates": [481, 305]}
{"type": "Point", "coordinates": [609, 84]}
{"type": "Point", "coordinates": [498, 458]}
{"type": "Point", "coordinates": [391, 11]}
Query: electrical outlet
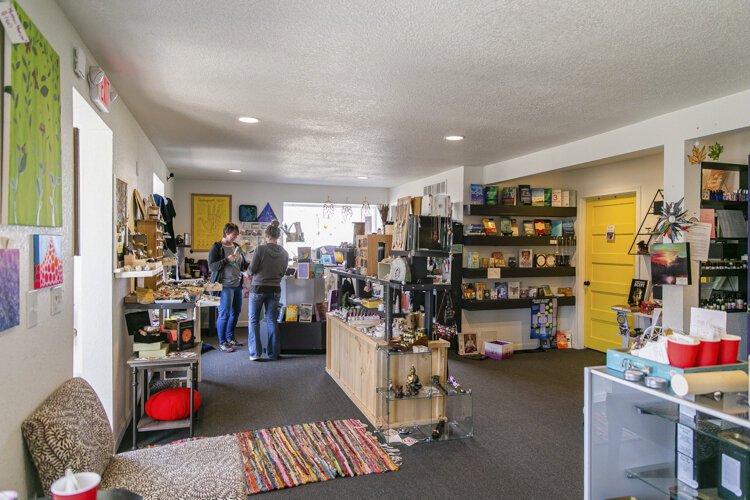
{"type": "Point", "coordinates": [32, 309]}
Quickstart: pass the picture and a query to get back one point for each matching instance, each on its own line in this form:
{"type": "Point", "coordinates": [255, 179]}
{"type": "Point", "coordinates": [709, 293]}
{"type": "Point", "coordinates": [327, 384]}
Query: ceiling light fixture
{"type": "Point", "coordinates": [248, 119]}
{"type": "Point", "coordinates": [454, 138]}
{"type": "Point", "coordinates": [235, 171]}
{"type": "Point", "coordinates": [362, 177]}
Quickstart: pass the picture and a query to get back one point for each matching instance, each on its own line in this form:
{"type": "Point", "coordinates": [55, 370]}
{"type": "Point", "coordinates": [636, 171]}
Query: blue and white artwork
{"type": "Point", "coordinates": [267, 214]}
{"type": "Point", "coordinates": [9, 289]}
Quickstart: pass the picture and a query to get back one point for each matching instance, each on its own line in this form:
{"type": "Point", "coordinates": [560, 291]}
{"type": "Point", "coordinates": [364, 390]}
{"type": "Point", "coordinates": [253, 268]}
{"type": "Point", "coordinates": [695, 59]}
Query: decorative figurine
{"type": "Point", "coordinates": [412, 381]}
{"type": "Point", "coordinates": [399, 392]}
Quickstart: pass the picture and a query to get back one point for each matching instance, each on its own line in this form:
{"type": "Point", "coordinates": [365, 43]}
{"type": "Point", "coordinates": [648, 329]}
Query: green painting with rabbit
{"type": "Point", "coordinates": [35, 170]}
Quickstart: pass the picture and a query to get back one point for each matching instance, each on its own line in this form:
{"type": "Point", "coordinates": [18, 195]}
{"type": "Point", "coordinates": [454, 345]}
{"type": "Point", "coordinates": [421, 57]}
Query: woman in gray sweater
{"type": "Point", "coordinates": [267, 268]}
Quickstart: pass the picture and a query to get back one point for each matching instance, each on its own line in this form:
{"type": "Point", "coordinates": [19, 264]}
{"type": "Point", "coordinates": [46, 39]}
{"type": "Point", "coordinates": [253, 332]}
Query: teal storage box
{"type": "Point", "coordinates": [620, 360]}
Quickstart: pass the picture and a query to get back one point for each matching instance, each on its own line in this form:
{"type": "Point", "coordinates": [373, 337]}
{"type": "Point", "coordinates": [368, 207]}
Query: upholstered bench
{"type": "Point", "coordinates": [70, 430]}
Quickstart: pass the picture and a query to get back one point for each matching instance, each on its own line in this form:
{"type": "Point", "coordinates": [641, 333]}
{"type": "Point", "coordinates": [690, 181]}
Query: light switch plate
{"type": "Point", "coordinates": [55, 300]}
{"type": "Point", "coordinates": [32, 309]}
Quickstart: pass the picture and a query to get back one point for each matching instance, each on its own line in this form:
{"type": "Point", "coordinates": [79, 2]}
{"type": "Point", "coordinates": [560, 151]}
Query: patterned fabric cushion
{"type": "Point", "coordinates": [69, 429]}
{"type": "Point", "coordinates": [208, 468]}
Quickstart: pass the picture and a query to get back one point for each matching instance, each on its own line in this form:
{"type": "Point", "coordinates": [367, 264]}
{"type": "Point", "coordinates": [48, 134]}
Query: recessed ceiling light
{"type": "Point", "coordinates": [454, 138]}
{"type": "Point", "coordinates": [363, 177]}
{"type": "Point", "coordinates": [235, 171]}
{"type": "Point", "coordinates": [248, 119]}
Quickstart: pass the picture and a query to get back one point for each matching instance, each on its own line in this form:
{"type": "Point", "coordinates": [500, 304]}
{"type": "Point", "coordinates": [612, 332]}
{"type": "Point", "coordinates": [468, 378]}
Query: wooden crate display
{"type": "Point", "coordinates": [154, 234]}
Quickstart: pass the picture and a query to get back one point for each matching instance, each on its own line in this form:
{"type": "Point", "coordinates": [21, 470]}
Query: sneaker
{"type": "Point", "coordinates": [226, 347]}
{"type": "Point", "coordinates": [234, 343]}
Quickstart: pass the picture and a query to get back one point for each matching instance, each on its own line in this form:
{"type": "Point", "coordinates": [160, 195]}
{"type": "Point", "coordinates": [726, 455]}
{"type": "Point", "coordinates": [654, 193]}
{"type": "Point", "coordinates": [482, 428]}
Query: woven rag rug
{"type": "Point", "coordinates": [284, 457]}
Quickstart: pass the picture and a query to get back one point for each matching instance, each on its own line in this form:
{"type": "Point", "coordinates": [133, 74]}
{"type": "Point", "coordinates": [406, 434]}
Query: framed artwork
{"type": "Point", "coordinates": [401, 224]}
{"type": "Point", "coordinates": [121, 204]}
{"type": "Point", "coordinates": [34, 194]}
{"type": "Point", "coordinates": [209, 214]}
{"type": "Point", "coordinates": [468, 343]}
{"type": "Point", "coordinates": [48, 266]}
{"type": "Point", "coordinates": [248, 213]}
{"type": "Point", "coordinates": [303, 270]}
{"type": "Point", "coordinates": [670, 263]}
{"type": "Point", "coordinates": [10, 299]}
{"type": "Point", "coordinates": [526, 257]}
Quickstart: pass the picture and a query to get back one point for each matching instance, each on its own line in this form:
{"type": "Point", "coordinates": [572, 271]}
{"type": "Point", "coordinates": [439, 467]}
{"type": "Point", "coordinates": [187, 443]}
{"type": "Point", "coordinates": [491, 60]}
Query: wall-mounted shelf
{"type": "Point", "coordinates": [419, 253]}
{"type": "Point", "coordinates": [140, 274]}
{"type": "Point", "coordinates": [489, 305]}
{"type": "Point", "coordinates": [723, 272]}
{"type": "Point", "coordinates": [521, 272]}
{"type": "Point", "coordinates": [724, 205]}
{"type": "Point", "coordinates": [516, 241]}
{"type": "Point", "coordinates": [520, 210]}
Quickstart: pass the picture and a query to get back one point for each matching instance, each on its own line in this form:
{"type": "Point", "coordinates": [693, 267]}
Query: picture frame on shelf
{"type": "Point", "coordinates": [526, 258]}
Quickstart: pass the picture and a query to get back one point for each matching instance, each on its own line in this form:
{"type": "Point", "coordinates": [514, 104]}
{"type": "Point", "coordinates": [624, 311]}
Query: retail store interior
{"type": "Point", "coordinates": [490, 249]}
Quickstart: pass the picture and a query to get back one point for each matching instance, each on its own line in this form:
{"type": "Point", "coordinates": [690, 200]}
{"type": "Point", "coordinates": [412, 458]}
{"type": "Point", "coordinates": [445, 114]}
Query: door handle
{"type": "Point", "coordinates": [586, 283]}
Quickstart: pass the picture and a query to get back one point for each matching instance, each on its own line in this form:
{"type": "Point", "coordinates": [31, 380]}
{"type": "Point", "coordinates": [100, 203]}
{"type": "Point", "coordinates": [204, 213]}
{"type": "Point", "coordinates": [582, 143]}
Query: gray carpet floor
{"type": "Point", "coordinates": [528, 419]}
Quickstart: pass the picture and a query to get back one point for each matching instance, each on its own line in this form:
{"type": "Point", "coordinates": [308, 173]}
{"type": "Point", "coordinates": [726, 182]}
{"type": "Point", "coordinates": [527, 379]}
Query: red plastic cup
{"type": "Point", "coordinates": [708, 352]}
{"type": "Point", "coordinates": [682, 351]}
{"type": "Point", "coordinates": [729, 349]}
{"type": "Point", "coordinates": [88, 484]}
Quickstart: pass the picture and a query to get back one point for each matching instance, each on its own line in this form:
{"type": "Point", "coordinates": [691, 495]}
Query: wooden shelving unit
{"type": "Point", "coordinates": [510, 241]}
{"type": "Point", "coordinates": [520, 210]}
{"type": "Point", "coordinates": [521, 272]}
{"type": "Point", "coordinates": [488, 305]}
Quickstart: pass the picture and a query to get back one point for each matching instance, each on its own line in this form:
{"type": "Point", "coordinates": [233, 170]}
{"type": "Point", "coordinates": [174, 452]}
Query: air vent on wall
{"type": "Point", "coordinates": [438, 188]}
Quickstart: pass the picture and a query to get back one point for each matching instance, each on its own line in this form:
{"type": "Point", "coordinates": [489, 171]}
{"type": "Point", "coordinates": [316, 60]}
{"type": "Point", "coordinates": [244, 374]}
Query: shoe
{"type": "Point", "coordinates": [226, 347]}
{"type": "Point", "coordinates": [234, 343]}
{"type": "Point", "coordinates": [256, 359]}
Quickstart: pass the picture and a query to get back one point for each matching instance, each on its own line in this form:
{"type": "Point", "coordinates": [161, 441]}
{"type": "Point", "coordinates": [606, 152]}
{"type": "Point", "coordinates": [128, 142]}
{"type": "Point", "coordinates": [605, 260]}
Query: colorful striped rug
{"type": "Point", "coordinates": [284, 457]}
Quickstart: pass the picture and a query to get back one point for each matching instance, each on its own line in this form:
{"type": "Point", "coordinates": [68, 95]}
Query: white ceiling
{"type": "Point", "coordinates": [370, 87]}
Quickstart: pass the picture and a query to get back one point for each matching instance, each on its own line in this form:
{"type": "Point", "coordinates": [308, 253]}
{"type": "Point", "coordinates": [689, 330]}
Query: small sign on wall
{"type": "Point", "coordinates": [610, 234]}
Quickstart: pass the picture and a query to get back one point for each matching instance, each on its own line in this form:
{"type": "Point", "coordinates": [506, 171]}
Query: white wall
{"type": "Point", "coordinates": [39, 359]}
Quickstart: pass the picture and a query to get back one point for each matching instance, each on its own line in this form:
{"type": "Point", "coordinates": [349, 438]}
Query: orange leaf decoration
{"type": "Point", "coordinates": [697, 156]}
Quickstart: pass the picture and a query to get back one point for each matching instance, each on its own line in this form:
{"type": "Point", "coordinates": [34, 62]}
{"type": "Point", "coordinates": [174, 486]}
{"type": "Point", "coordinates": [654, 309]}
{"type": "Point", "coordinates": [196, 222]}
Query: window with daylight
{"type": "Point", "coordinates": [320, 231]}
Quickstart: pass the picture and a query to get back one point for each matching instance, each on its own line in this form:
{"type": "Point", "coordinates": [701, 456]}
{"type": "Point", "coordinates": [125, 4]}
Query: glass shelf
{"type": "Point", "coordinates": [663, 478]}
{"type": "Point", "coordinates": [424, 393]}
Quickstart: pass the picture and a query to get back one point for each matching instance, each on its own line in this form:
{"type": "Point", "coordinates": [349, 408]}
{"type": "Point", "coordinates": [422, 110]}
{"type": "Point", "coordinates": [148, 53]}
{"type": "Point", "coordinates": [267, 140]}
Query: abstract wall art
{"type": "Point", "coordinates": [48, 265]}
{"type": "Point", "coordinates": [9, 289]}
{"type": "Point", "coordinates": [34, 165]}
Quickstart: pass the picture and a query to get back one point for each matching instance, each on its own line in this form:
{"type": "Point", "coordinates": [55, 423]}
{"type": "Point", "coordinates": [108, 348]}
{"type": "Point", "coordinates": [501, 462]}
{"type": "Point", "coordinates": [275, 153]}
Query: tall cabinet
{"type": "Point", "coordinates": [724, 277]}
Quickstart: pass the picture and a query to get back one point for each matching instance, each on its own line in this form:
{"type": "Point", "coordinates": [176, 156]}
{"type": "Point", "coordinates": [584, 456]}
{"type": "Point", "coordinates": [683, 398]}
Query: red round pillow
{"type": "Point", "coordinates": [172, 404]}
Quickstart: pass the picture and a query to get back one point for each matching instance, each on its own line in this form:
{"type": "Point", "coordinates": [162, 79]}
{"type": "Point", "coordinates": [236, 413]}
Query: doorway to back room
{"type": "Point", "coordinates": [94, 260]}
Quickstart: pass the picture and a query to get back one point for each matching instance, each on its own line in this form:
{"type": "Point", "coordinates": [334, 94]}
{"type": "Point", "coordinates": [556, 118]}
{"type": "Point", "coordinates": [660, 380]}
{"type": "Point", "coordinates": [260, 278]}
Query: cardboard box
{"type": "Point", "coordinates": [498, 349]}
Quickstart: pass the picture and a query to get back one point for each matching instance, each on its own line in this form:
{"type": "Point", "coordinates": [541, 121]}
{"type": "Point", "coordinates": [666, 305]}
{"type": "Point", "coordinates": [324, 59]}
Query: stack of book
{"type": "Point", "coordinates": [154, 350]}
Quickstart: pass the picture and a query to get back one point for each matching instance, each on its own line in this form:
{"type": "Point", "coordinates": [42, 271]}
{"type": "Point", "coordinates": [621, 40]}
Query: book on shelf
{"type": "Point", "coordinates": [547, 290]}
{"type": "Point", "coordinates": [528, 228]}
{"type": "Point", "coordinates": [533, 292]}
{"type": "Point", "coordinates": [539, 227]}
{"type": "Point", "coordinates": [317, 270]}
{"type": "Point", "coordinates": [154, 354]}
{"type": "Point", "coordinates": [489, 226]}
{"type": "Point", "coordinates": [305, 313]}
{"type": "Point", "coordinates": [514, 289]}
{"type": "Point", "coordinates": [537, 197]}
{"type": "Point", "coordinates": [472, 260]}
{"type": "Point", "coordinates": [303, 270]}
{"type": "Point", "coordinates": [509, 195]}
{"type": "Point", "coordinates": [557, 227]}
{"type": "Point", "coordinates": [526, 258]}
{"type": "Point", "coordinates": [480, 288]}
{"type": "Point", "coordinates": [505, 226]}
{"type": "Point", "coordinates": [547, 227]}
{"type": "Point", "coordinates": [547, 197]}
{"type": "Point", "coordinates": [557, 197]}
{"type": "Point", "coordinates": [320, 311]}
{"type": "Point", "coordinates": [474, 229]}
{"type": "Point", "coordinates": [153, 346]}
{"type": "Point", "coordinates": [523, 293]}
{"type": "Point", "coordinates": [292, 311]}
{"type": "Point", "coordinates": [513, 227]}
{"type": "Point", "coordinates": [568, 227]}
{"type": "Point", "coordinates": [637, 294]}
{"type": "Point", "coordinates": [491, 194]}
{"type": "Point", "coordinates": [501, 288]}
{"type": "Point", "coordinates": [499, 259]}
{"type": "Point", "coordinates": [524, 194]}
{"type": "Point", "coordinates": [477, 194]}
{"type": "Point", "coordinates": [565, 198]}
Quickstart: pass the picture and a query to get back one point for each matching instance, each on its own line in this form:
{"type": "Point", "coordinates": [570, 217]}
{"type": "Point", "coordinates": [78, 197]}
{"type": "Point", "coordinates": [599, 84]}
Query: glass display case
{"type": "Point", "coordinates": [417, 402]}
{"type": "Point", "coordinates": [648, 443]}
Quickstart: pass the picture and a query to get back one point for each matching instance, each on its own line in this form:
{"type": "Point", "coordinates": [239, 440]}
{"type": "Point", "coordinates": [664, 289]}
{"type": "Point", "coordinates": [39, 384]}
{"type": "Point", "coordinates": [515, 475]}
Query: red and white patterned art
{"type": "Point", "coordinates": [48, 265]}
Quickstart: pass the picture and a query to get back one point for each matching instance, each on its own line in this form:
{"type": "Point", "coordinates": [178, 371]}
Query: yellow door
{"type": "Point", "coordinates": [608, 267]}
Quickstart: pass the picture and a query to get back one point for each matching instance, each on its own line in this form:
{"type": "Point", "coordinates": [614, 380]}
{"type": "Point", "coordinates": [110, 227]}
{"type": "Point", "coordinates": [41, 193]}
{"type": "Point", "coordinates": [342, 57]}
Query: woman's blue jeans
{"type": "Point", "coordinates": [271, 302]}
{"type": "Point", "coordinates": [230, 306]}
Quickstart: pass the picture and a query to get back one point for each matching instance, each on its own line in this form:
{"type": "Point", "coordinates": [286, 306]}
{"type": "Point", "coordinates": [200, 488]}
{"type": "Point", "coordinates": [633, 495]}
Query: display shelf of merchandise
{"type": "Point", "coordinates": [148, 424]}
{"type": "Point", "coordinates": [520, 272]}
{"type": "Point", "coordinates": [724, 205]}
{"type": "Point", "coordinates": [630, 438]}
{"type": "Point", "coordinates": [517, 241]}
{"type": "Point", "coordinates": [521, 210]}
{"type": "Point", "coordinates": [489, 305]}
{"type": "Point", "coordinates": [422, 413]}
{"type": "Point", "coordinates": [723, 272]}
{"type": "Point", "coordinates": [159, 305]}
{"type": "Point", "coordinates": [635, 314]}
{"type": "Point", "coordinates": [141, 274]}
{"type": "Point", "coordinates": [419, 253]}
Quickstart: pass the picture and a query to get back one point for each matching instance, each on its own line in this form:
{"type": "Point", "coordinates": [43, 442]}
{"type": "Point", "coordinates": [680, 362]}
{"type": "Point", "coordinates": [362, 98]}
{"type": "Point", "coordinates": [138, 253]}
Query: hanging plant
{"type": "Point", "coordinates": [697, 156]}
{"type": "Point", "coordinates": [715, 151]}
{"type": "Point", "coordinates": [672, 221]}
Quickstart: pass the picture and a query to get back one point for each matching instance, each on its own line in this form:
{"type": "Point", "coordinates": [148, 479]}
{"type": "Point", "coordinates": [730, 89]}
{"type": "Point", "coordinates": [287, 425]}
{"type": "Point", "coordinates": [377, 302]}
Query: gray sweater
{"type": "Point", "coordinates": [268, 267]}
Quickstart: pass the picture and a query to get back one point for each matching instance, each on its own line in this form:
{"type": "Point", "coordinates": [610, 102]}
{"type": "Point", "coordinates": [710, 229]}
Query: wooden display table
{"type": "Point", "coordinates": [362, 366]}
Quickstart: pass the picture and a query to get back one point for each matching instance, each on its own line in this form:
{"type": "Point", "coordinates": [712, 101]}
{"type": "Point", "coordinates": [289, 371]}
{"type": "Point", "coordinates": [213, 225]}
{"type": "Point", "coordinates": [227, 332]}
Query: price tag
{"type": "Point", "coordinates": [493, 273]}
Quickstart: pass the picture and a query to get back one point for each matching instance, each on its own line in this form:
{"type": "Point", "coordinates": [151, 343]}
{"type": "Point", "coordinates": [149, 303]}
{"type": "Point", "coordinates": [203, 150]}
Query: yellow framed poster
{"type": "Point", "coordinates": [209, 213]}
